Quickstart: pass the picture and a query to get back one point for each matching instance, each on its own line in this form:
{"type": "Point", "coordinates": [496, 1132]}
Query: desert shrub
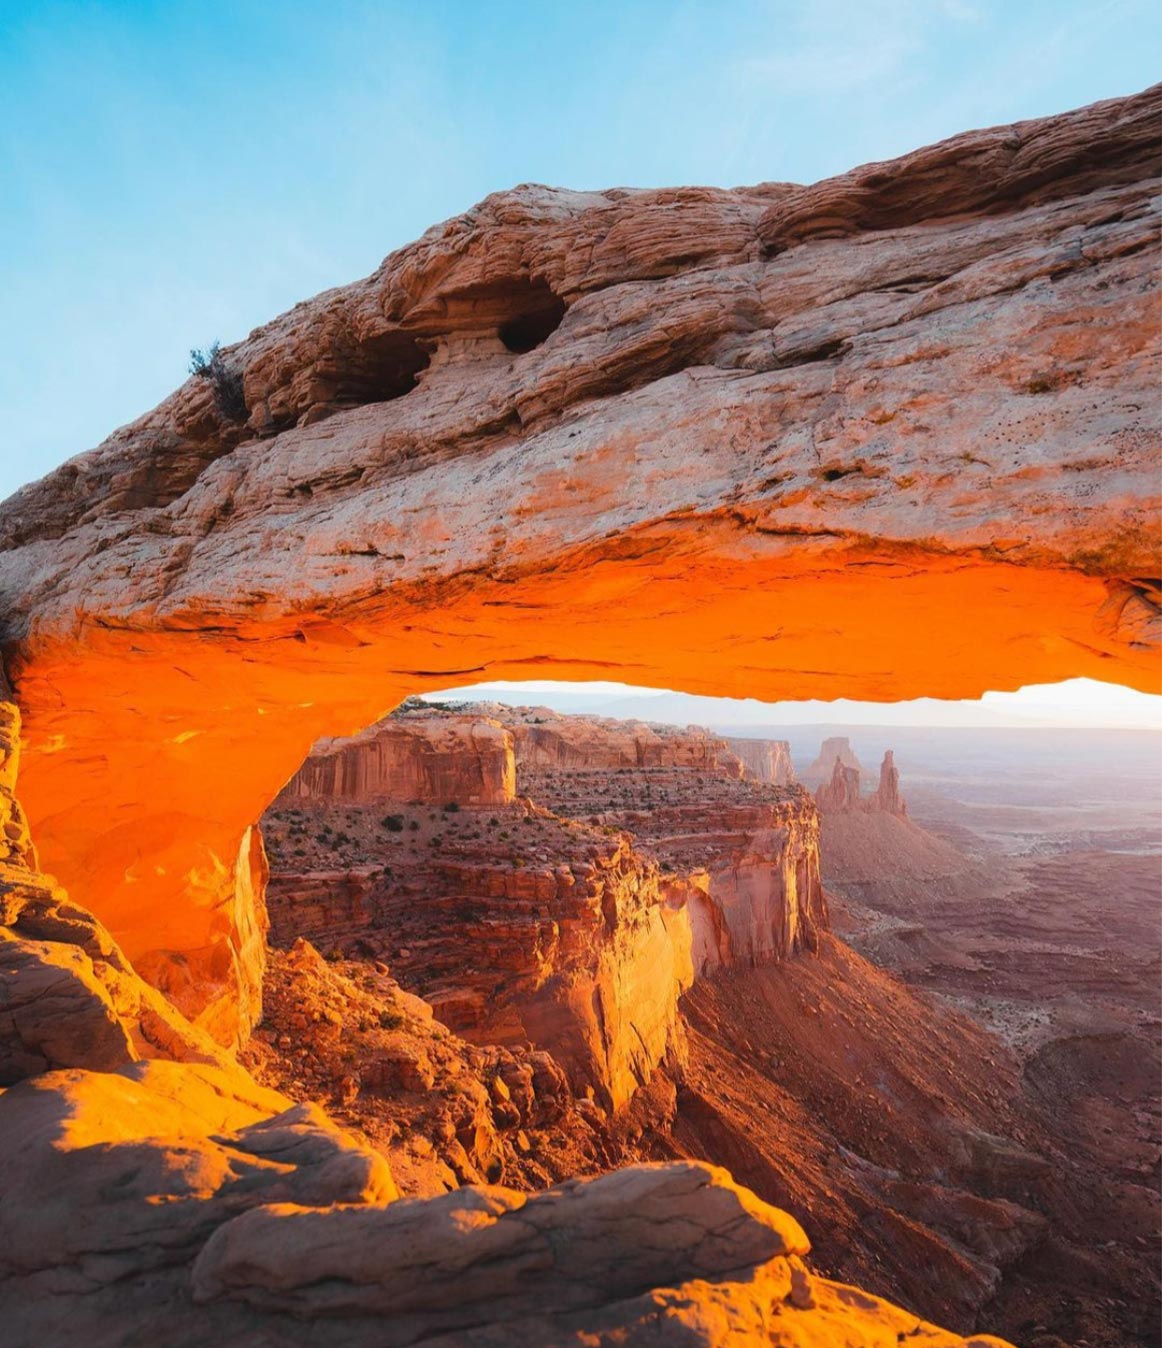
{"type": "Point", "coordinates": [226, 383]}
{"type": "Point", "coordinates": [393, 823]}
{"type": "Point", "coordinates": [452, 807]}
{"type": "Point", "coordinates": [390, 1019]}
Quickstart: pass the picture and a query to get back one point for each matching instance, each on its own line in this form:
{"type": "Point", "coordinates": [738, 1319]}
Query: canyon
{"type": "Point", "coordinates": [889, 435]}
{"type": "Point", "coordinates": [154, 1190]}
{"type": "Point", "coordinates": [915, 1136]}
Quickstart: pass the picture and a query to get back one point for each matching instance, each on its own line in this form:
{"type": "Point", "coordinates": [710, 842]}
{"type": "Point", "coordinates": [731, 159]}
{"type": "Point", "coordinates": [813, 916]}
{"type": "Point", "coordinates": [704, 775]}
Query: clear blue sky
{"type": "Point", "coordinates": [173, 172]}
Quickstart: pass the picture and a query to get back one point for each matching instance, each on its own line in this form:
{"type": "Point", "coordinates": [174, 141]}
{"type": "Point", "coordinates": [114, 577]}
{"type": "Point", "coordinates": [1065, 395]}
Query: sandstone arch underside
{"type": "Point", "coordinates": [892, 435]}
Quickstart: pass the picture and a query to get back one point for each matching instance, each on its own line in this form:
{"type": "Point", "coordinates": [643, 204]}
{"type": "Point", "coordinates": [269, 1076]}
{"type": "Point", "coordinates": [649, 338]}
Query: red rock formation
{"type": "Point", "coordinates": [547, 739]}
{"type": "Point", "coordinates": [886, 796]}
{"type": "Point", "coordinates": [308, 903]}
{"type": "Point", "coordinates": [127, 1185]}
{"type": "Point", "coordinates": [520, 927]}
{"type": "Point", "coordinates": [835, 749]}
{"type": "Point", "coordinates": [662, 489]}
{"type": "Point", "coordinates": [842, 793]}
{"type": "Point", "coordinates": [68, 996]}
{"type": "Point", "coordinates": [516, 926]}
{"type": "Point", "coordinates": [467, 759]}
{"type": "Point", "coordinates": [767, 760]}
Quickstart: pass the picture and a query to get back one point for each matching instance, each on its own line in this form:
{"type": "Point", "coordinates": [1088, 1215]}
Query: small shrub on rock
{"type": "Point", "coordinates": [229, 397]}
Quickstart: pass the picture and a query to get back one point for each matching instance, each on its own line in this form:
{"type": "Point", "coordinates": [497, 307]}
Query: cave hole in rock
{"type": "Point", "coordinates": [536, 323]}
{"type": "Point", "coordinates": [379, 369]}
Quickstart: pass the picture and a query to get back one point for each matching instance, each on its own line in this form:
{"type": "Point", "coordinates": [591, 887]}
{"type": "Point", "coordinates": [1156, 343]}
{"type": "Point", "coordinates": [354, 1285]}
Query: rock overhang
{"type": "Point", "coordinates": [891, 435]}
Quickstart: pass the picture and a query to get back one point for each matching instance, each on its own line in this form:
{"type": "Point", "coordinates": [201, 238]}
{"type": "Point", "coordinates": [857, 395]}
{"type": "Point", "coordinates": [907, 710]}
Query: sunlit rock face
{"type": "Point", "coordinates": [887, 436]}
{"type": "Point", "coordinates": [468, 759]}
{"type": "Point", "coordinates": [153, 1192]}
{"type": "Point", "coordinates": [767, 760]}
{"type": "Point", "coordinates": [742, 853]}
{"type": "Point", "coordinates": [636, 857]}
{"type": "Point", "coordinates": [68, 996]}
{"type": "Point", "coordinates": [547, 740]}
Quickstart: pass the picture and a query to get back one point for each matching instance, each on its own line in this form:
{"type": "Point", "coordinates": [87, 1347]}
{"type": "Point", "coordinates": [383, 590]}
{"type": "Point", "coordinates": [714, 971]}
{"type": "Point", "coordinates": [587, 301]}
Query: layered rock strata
{"type": "Point", "coordinates": [767, 760]}
{"type": "Point", "coordinates": [516, 926]}
{"type": "Point", "coordinates": [172, 1201]}
{"type": "Point", "coordinates": [778, 442]}
{"type": "Point", "coordinates": [744, 853]}
{"type": "Point", "coordinates": [575, 928]}
{"type": "Point", "coordinates": [466, 759]}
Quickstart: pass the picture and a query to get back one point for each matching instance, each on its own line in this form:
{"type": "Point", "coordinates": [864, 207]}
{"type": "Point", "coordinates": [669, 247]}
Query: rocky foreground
{"type": "Point", "coordinates": [154, 1192]}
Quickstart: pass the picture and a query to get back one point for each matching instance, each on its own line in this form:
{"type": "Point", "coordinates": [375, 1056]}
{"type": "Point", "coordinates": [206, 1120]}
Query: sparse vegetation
{"type": "Point", "coordinates": [229, 395]}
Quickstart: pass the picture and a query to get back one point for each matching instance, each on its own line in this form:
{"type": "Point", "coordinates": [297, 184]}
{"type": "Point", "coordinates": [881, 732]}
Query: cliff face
{"type": "Point", "coordinates": [153, 1189]}
{"type": "Point", "coordinates": [575, 922]}
{"type": "Point", "coordinates": [767, 760]}
{"type": "Point", "coordinates": [745, 853]}
{"type": "Point", "coordinates": [781, 442]}
{"type": "Point", "coordinates": [467, 759]}
{"type": "Point", "coordinates": [514, 925]}
{"type": "Point", "coordinates": [548, 740]}
{"type": "Point", "coordinates": [834, 749]}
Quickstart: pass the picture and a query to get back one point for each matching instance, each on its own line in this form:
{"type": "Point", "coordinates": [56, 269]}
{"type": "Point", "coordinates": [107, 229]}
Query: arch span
{"type": "Point", "coordinates": [913, 452]}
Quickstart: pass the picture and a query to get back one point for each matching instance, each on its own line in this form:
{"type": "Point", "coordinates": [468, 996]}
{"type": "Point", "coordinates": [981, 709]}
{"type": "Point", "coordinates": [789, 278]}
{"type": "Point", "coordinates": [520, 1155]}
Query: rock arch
{"type": "Point", "coordinates": [753, 459]}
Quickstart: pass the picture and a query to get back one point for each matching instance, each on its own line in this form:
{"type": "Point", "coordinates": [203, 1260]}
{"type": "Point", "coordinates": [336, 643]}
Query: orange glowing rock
{"type": "Point", "coordinates": [892, 435]}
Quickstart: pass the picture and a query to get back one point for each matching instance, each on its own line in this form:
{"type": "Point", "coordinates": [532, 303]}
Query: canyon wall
{"type": "Point", "coordinates": [635, 857]}
{"type": "Point", "coordinates": [154, 1192]}
{"type": "Point", "coordinates": [517, 927]}
{"type": "Point", "coordinates": [767, 760]}
{"type": "Point", "coordinates": [467, 759]}
{"type": "Point", "coordinates": [745, 850]}
{"type": "Point", "coordinates": [547, 739]}
{"type": "Point", "coordinates": [834, 749]}
{"type": "Point", "coordinates": [783, 442]}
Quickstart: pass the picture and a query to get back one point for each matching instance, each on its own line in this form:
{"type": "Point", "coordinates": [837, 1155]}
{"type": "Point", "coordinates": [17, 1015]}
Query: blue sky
{"type": "Point", "coordinates": [177, 172]}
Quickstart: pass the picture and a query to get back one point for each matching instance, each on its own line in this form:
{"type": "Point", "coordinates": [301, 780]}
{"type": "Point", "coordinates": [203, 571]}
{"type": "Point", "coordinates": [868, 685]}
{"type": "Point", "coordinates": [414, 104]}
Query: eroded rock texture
{"type": "Point", "coordinates": [842, 793]}
{"type": "Point", "coordinates": [149, 1196]}
{"type": "Point", "coordinates": [467, 759]}
{"type": "Point", "coordinates": [776, 442]}
{"type": "Point", "coordinates": [635, 857]}
{"type": "Point", "coordinates": [768, 760]}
